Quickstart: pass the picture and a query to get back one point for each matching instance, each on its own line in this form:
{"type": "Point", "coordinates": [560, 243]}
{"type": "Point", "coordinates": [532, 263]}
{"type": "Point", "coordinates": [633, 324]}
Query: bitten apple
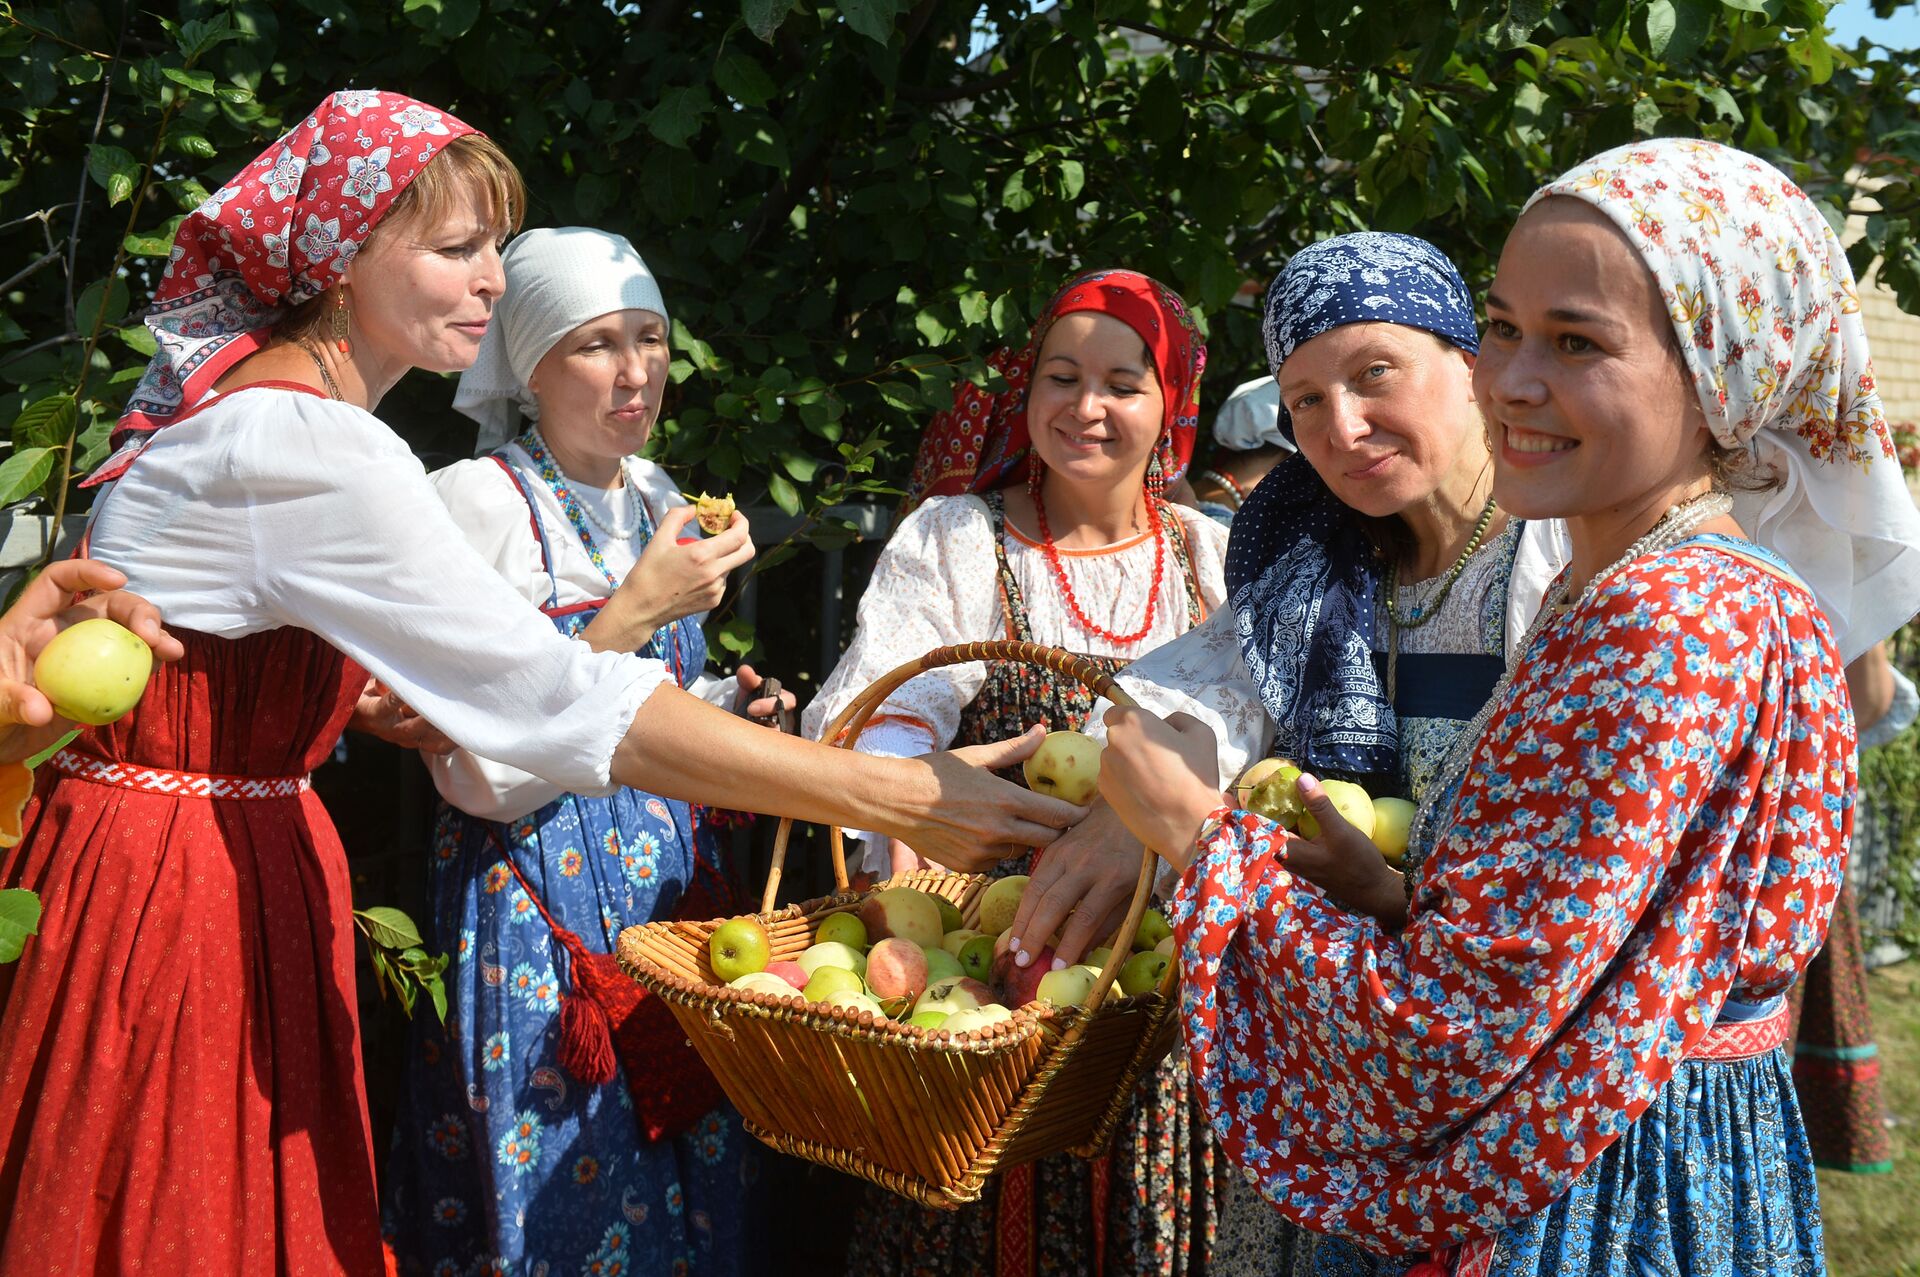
{"type": "Point", "coordinates": [737, 947]}
{"type": "Point", "coordinates": [1255, 775]}
{"type": "Point", "coordinates": [904, 912]}
{"type": "Point", "coordinates": [1277, 796]}
{"type": "Point", "coordinates": [896, 968]}
{"type": "Point", "coordinates": [1066, 766]}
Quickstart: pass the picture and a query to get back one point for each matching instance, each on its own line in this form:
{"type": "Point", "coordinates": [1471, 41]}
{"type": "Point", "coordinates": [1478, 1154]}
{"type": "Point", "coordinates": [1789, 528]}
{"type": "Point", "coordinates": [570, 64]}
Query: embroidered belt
{"type": "Point", "coordinates": [1742, 1039]}
{"type": "Point", "coordinates": [158, 780]}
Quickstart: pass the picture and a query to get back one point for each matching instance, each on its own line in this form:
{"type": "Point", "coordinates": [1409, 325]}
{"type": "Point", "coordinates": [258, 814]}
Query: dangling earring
{"type": "Point", "coordinates": [1156, 481]}
{"type": "Point", "coordinates": [339, 320]}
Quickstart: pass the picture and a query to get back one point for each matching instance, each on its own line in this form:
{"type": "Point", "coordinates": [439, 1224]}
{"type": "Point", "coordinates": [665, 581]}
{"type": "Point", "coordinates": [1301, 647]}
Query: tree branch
{"type": "Point", "coordinates": [17, 276]}
{"type": "Point", "coordinates": [959, 92]}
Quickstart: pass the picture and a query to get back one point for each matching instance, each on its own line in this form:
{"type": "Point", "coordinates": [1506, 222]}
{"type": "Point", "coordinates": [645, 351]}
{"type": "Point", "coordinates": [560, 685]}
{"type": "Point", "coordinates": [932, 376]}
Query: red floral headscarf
{"type": "Point", "coordinates": [281, 232]}
{"type": "Point", "coordinates": [981, 442]}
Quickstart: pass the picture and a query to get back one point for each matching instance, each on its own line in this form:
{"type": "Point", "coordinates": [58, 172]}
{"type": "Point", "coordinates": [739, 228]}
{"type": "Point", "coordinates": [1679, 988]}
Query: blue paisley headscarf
{"type": "Point", "coordinates": [1301, 573]}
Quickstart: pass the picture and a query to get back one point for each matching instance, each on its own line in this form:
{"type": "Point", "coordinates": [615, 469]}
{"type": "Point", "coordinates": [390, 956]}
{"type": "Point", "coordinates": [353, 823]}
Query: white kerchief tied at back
{"type": "Point", "coordinates": [557, 279]}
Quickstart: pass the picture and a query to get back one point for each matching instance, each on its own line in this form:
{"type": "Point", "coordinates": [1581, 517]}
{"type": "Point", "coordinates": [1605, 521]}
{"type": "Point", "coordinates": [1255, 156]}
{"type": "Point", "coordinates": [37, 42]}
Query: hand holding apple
{"type": "Point", "coordinates": [1159, 777]}
{"type": "Point", "coordinates": [1343, 862]}
{"type": "Point", "coordinates": [1066, 766]}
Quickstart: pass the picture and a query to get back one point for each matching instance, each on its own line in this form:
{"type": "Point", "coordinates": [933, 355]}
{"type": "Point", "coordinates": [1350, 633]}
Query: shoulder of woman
{"type": "Point", "coordinates": [477, 484]}
{"type": "Point", "coordinates": [1733, 573]}
{"type": "Point", "coordinates": [657, 487]}
{"type": "Point", "coordinates": [269, 431]}
{"type": "Point", "coordinates": [939, 519]}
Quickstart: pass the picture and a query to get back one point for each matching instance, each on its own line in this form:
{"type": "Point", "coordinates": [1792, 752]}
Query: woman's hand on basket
{"type": "Point", "coordinates": [44, 608]}
{"type": "Point", "coordinates": [974, 818]}
{"type": "Point", "coordinates": [1081, 887]}
{"type": "Point", "coordinates": [1159, 777]}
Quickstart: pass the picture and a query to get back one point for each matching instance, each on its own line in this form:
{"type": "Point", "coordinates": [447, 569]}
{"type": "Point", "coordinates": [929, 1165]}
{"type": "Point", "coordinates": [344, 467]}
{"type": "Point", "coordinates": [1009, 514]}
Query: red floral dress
{"type": "Point", "coordinates": [179, 1050]}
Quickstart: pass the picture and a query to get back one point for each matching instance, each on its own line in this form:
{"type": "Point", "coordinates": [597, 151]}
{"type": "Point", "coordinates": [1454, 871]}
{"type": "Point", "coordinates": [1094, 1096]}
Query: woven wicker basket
{"type": "Point", "coordinates": [926, 1115]}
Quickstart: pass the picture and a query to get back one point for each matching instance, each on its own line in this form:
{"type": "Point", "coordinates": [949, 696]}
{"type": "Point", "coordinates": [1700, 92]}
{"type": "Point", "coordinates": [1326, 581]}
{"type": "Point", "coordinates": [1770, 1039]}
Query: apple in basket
{"type": "Point", "coordinates": [737, 947]}
{"type": "Point", "coordinates": [956, 939]}
{"type": "Point", "coordinates": [829, 981]}
{"type": "Point", "coordinates": [950, 919]}
{"type": "Point", "coordinates": [1015, 985]}
{"type": "Point", "coordinates": [763, 982]}
{"type": "Point", "coordinates": [841, 928]}
{"type": "Point", "coordinates": [942, 965]}
{"type": "Point", "coordinates": [897, 968]}
{"type": "Point", "coordinates": [1000, 902]}
{"type": "Point", "coordinates": [1067, 987]}
{"type": "Point", "coordinates": [1153, 929]}
{"type": "Point", "coordinates": [1066, 766]}
{"type": "Point", "coordinates": [832, 954]}
{"type": "Point", "coordinates": [854, 1000]}
{"type": "Point", "coordinates": [953, 995]}
{"type": "Point", "coordinates": [904, 912]}
{"type": "Point", "coordinates": [1142, 973]}
{"type": "Point", "coordinates": [975, 1018]}
{"type": "Point", "coordinates": [976, 957]}
{"type": "Point", "coordinates": [792, 972]}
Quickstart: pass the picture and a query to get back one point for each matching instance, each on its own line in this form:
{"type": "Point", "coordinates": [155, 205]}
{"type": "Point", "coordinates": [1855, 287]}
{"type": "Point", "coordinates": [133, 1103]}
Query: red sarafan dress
{"type": "Point", "coordinates": [179, 1049]}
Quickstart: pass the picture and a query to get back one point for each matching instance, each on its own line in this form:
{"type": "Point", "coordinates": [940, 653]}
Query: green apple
{"type": "Point", "coordinates": [1153, 929]}
{"type": "Point", "coordinates": [1351, 801]}
{"type": "Point", "coordinates": [854, 1000]}
{"type": "Point", "coordinates": [949, 996]}
{"type": "Point", "coordinates": [841, 928]}
{"type": "Point", "coordinates": [1099, 958]}
{"type": "Point", "coordinates": [763, 982]}
{"type": "Point", "coordinates": [737, 947]}
{"type": "Point", "coordinates": [905, 912]}
{"type": "Point", "coordinates": [1142, 973]}
{"type": "Point", "coordinates": [976, 1018]}
{"type": "Point", "coordinates": [1165, 946]}
{"type": "Point", "coordinates": [828, 981]}
{"type": "Point", "coordinates": [1000, 902]}
{"type": "Point", "coordinates": [832, 954]}
{"type": "Point", "coordinates": [1277, 797]}
{"type": "Point", "coordinates": [949, 913]}
{"type": "Point", "coordinates": [1066, 766]}
{"type": "Point", "coordinates": [928, 1019]}
{"type": "Point", "coordinates": [954, 940]}
{"type": "Point", "coordinates": [93, 672]}
{"type": "Point", "coordinates": [976, 957]}
{"type": "Point", "coordinates": [1067, 987]}
{"type": "Point", "coordinates": [1392, 822]}
{"type": "Point", "coordinates": [1255, 775]}
{"type": "Point", "coordinates": [942, 965]}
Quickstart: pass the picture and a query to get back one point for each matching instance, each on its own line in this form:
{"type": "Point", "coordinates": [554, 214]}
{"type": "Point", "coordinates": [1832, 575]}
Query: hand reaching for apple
{"type": "Point", "coordinates": [976, 819]}
{"type": "Point", "coordinates": [1081, 887]}
{"type": "Point", "coordinates": [28, 723]}
{"type": "Point", "coordinates": [1158, 776]}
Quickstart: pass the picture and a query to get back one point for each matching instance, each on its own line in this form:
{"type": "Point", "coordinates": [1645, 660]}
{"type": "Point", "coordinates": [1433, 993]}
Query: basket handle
{"type": "Point", "coordinates": [846, 729]}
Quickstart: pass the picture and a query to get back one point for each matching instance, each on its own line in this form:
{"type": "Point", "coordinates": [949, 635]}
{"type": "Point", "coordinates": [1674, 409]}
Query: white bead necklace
{"type": "Point", "coordinates": [634, 509]}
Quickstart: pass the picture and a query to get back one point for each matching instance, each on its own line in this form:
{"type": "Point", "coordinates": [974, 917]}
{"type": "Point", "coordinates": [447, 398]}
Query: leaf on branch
{"type": "Point", "coordinates": [19, 918]}
{"type": "Point", "coordinates": [103, 304]}
{"type": "Point", "coordinates": [388, 927]}
{"type": "Point", "coordinates": [46, 423]}
{"type": "Point", "coordinates": [763, 17]}
{"type": "Point", "coordinates": [24, 472]}
{"type": "Point", "coordinates": [871, 18]}
{"type": "Point", "coordinates": [676, 117]}
{"type": "Point", "coordinates": [196, 37]}
{"type": "Point", "coordinates": [741, 78]}
{"type": "Point", "coordinates": [783, 493]}
{"type": "Point", "coordinates": [114, 169]}
{"type": "Point", "coordinates": [1661, 21]}
{"type": "Point", "coordinates": [737, 636]}
{"type": "Point", "coordinates": [1073, 177]}
{"type": "Point", "coordinates": [192, 81]}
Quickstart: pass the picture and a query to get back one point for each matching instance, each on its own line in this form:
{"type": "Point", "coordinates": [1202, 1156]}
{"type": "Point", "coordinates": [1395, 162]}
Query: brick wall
{"type": "Point", "coordinates": [1895, 339]}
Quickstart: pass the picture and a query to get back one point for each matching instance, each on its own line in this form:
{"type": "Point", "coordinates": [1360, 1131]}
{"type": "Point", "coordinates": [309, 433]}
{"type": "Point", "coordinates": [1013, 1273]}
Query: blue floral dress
{"type": "Point", "coordinates": [502, 1162]}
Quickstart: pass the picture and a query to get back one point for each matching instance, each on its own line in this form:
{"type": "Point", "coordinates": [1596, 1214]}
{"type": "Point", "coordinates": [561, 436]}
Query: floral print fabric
{"type": "Point", "coordinates": [1653, 822]}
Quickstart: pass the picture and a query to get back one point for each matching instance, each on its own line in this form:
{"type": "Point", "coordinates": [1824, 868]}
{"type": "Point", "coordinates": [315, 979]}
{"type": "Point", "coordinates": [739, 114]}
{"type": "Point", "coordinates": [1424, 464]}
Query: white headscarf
{"type": "Point", "coordinates": [557, 279]}
{"type": "Point", "coordinates": [1768, 320]}
{"type": "Point", "coordinates": [1250, 418]}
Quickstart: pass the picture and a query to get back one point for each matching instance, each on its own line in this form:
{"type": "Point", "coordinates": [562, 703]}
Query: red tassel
{"type": "Point", "coordinates": [586, 1045]}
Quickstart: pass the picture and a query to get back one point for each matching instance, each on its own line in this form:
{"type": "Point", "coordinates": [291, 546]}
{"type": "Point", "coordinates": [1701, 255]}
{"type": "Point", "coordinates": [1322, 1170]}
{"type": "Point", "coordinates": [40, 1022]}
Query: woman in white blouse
{"type": "Point", "coordinates": [573, 366]}
{"type": "Point", "coordinates": [1041, 516]}
{"type": "Point", "coordinates": [178, 1047]}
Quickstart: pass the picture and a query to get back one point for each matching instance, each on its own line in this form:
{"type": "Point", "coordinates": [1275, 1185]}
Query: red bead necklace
{"type": "Point", "coordinates": [1035, 479]}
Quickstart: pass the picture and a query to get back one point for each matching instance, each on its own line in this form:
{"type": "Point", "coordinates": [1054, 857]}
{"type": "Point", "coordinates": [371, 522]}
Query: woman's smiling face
{"type": "Point", "coordinates": [1586, 399]}
{"type": "Point", "coordinates": [1095, 408]}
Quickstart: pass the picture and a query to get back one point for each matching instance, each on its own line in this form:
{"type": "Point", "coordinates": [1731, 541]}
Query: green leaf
{"type": "Point", "coordinates": [677, 116]}
{"type": "Point", "coordinates": [871, 18]}
{"type": "Point", "coordinates": [1006, 315]}
{"type": "Point", "coordinates": [52, 749]}
{"type": "Point", "coordinates": [1265, 19]}
{"type": "Point", "coordinates": [437, 990]}
{"type": "Point", "coordinates": [114, 169]}
{"type": "Point", "coordinates": [1646, 116]}
{"type": "Point", "coordinates": [46, 423]}
{"type": "Point", "coordinates": [783, 493]}
{"type": "Point", "coordinates": [1014, 196]}
{"type": "Point", "coordinates": [737, 636]}
{"type": "Point", "coordinates": [763, 17]}
{"type": "Point", "coordinates": [90, 449]}
{"type": "Point", "coordinates": [24, 472]}
{"type": "Point", "coordinates": [1073, 178]}
{"type": "Point", "coordinates": [799, 465]}
{"type": "Point", "coordinates": [973, 307]}
{"type": "Point", "coordinates": [1661, 22]}
{"type": "Point", "coordinates": [931, 328]}
{"type": "Point", "coordinates": [388, 927]}
{"type": "Point", "coordinates": [701, 353]}
{"type": "Point", "coordinates": [139, 339]}
{"type": "Point", "coordinates": [740, 78]}
{"type": "Point", "coordinates": [191, 81]}
{"type": "Point", "coordinates": [103, 304]}
{"type": "Point", "coordinates": [196, 37]}
{"type": "Point", "coordinates": [19, 918]}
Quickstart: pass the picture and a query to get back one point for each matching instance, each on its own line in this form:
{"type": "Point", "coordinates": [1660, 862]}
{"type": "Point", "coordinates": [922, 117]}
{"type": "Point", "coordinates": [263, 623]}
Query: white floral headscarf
{"type": "Point", "coordinates": [1768, 320]}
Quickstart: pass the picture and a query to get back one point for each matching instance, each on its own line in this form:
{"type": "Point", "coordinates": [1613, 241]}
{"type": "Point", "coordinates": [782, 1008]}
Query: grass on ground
{"type": "Point", "coordinates": [1873, 1221]}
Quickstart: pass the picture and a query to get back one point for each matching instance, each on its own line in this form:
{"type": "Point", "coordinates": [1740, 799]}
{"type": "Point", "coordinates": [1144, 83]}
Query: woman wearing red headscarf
{"type": "Point", "coordinates": [179, 1055]}
{"type": "Point", "coordinates": [1039, 513]}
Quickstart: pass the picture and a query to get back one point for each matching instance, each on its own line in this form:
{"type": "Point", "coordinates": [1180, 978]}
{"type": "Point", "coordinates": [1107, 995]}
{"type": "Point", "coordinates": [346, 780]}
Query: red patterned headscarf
{"type": "Point", "coordinates": [981, 442]}
{"type": "Point", "coordinates": [281, 232]}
